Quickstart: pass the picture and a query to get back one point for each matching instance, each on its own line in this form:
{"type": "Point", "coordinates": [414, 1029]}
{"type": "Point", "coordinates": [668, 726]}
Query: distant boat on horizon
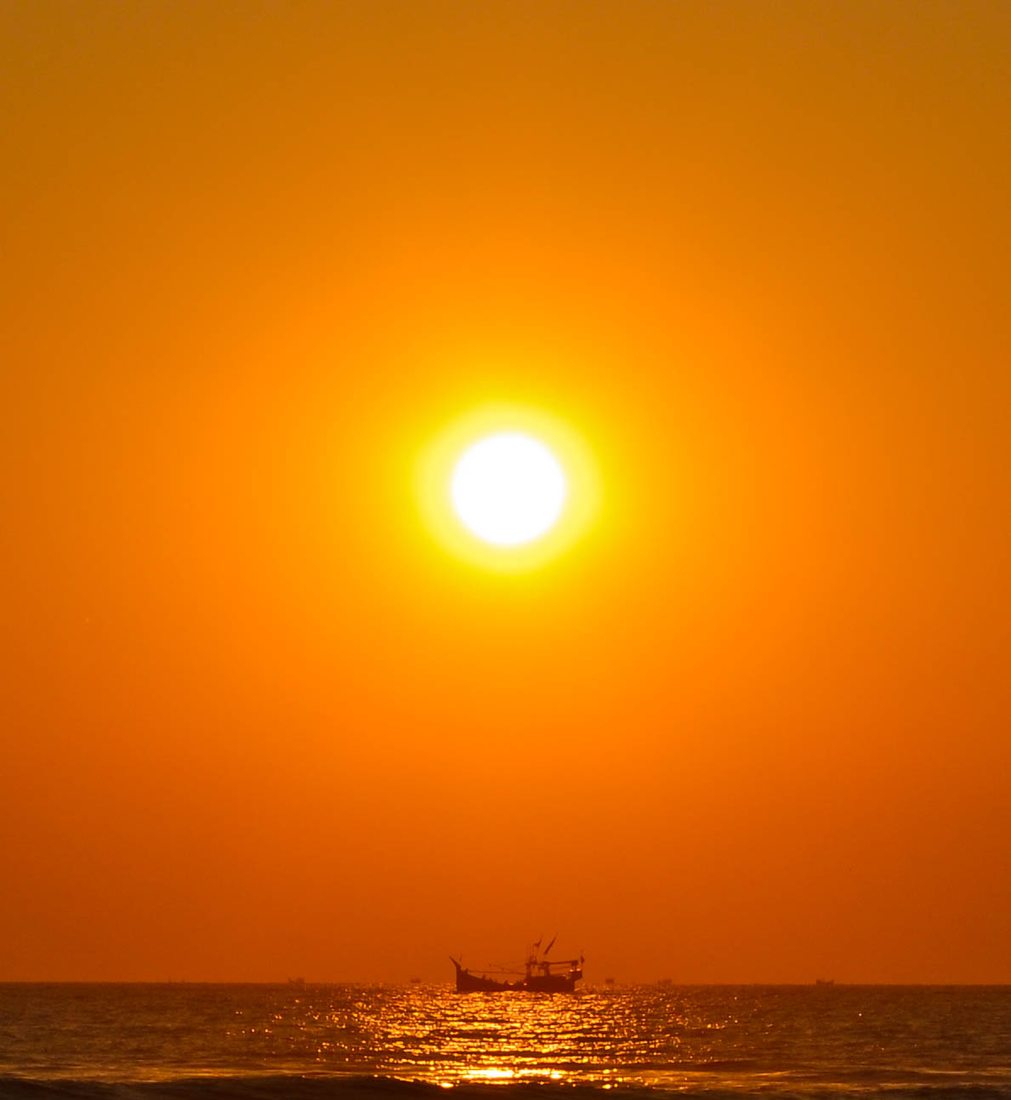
{"type": "Point", "coordinates": [539, 975]}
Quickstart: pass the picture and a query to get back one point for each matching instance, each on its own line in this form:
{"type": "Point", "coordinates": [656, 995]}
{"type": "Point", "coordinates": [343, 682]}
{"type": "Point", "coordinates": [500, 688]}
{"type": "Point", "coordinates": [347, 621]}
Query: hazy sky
{"type": "Point", "coordinates": [257, 722]}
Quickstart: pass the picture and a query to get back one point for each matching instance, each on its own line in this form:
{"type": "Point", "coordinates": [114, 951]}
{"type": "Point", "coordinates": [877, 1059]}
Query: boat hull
{"type": "Point", "coordinates": [466, 982]}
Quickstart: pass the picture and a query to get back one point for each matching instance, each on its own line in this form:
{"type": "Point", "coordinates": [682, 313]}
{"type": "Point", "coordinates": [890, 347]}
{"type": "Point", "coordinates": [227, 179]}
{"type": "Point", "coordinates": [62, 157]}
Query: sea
{"type": "Point", "coordinates": [417, 1042]}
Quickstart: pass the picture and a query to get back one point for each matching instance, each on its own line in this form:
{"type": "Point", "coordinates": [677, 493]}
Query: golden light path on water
{"type": "Point", "coordinates": [605, 1038]}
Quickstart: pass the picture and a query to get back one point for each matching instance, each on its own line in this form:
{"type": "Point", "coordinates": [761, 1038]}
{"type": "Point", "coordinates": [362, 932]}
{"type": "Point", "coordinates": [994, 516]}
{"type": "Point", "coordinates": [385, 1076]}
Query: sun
{"type": "Point", "coordinates": [508, 489]}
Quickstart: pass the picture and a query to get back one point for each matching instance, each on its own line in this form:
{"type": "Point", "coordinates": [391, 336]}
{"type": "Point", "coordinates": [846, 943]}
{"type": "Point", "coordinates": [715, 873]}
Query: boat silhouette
{"type": "Point", "coordinates": [539, 975]}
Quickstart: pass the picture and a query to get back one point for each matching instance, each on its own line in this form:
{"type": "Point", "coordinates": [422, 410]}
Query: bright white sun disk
{"type": "Point", "coordinates": [508, 489]}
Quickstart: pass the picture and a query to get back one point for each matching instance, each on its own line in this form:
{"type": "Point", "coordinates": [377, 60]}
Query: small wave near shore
{"type": "Point", "coordinates": [303, 1087]}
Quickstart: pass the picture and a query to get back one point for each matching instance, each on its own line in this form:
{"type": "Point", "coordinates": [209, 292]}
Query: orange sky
{"type": "Point", "coordinates": [256, 722]}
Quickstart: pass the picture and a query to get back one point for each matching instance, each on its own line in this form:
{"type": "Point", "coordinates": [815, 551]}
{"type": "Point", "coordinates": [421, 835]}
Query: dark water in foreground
{"type": "Point", "coordinates": [271, 1042]}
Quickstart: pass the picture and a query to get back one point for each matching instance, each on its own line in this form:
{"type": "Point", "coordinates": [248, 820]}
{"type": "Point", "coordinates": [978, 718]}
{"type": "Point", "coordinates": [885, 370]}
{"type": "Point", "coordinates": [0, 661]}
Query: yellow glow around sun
{"type": "Point", "coordinates": [508, 487]}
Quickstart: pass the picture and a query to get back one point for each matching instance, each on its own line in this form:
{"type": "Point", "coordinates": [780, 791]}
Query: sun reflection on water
{"type": "Point", "coordinates": [438, 1036]}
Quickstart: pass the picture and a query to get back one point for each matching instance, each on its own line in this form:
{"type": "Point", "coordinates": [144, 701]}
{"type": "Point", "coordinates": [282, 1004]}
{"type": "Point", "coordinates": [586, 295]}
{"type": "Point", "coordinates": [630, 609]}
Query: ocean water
{"type": "Point", "coordinates": [140, 1042]}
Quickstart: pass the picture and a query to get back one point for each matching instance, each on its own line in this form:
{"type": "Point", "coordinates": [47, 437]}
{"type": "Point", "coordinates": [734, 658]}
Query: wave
{"type": "Point", "coordinates": [328, 1087]}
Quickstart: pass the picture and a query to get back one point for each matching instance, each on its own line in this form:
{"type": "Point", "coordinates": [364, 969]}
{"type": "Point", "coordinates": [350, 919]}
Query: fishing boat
{"type": "Point", "coordinates": [539, 975]}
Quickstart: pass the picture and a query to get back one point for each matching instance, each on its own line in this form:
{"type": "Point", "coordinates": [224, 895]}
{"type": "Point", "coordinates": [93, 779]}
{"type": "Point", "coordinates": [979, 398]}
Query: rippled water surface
{"type": "Point", "coordinates": [786, 1040]}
